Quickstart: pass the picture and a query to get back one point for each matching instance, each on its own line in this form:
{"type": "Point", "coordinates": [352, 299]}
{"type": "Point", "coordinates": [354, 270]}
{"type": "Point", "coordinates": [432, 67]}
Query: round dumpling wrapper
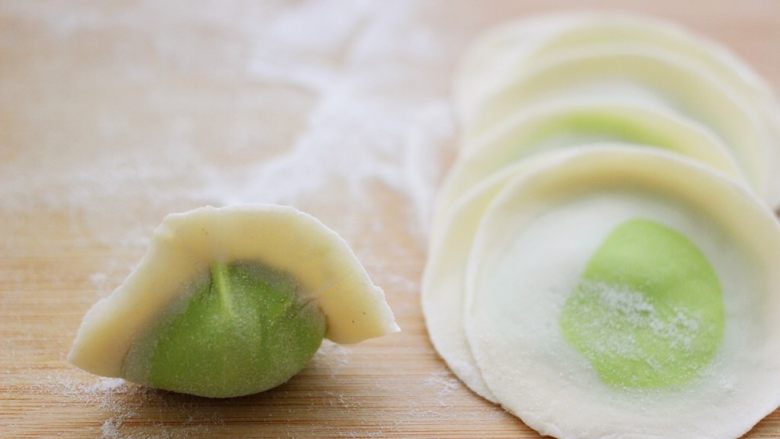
{"type": "Point", "coordinates": [443, 284]}
{"type": "Point", "coordinates": [571, 124]}
{"type": "Point", "coordinates": [224, 287]}
{"type": "Point", "coordinates": [512, 48]}
{"type": "Point", "coordinates": [444, 277]}
{"type": "Point", "coordinates": [650, 77]}
{"type": "Point", "coordinates": [614, 292]}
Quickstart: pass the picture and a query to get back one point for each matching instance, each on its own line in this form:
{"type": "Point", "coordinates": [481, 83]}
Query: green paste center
{"type": "Point", "coordinates": [648, 311]}
{"type": "Point", "coordinates": [244, 330]}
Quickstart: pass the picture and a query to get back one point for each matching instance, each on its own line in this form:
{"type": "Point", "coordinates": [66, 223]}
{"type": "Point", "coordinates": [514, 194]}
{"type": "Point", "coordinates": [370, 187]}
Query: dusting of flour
{"type": "Point", "coordinates": [619, 303]}
{"type": "Point", "coordinates": [316, 101]}
{"type": "Point", "coordinates": [132, 111]}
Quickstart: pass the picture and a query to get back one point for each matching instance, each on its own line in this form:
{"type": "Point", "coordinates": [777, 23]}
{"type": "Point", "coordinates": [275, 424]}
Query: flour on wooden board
{"type": "Point", "coordinates": [346, 96]}
{"type": "Point", "coordinates": [358, 128]}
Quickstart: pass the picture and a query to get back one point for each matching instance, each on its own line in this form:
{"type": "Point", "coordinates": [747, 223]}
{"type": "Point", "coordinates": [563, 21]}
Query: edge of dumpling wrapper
{"type": "Point", "coordinates": [184, 244]}
{"type": "Point", "coordinates": [748, 85]}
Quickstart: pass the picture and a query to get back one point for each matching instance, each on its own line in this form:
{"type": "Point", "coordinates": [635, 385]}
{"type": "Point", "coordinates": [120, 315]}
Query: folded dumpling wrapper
{"type": "Point", "coordinates": [302, 267]}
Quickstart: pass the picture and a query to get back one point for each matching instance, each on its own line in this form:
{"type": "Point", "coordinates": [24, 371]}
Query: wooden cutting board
{"type": "Point", "coordinates": [115, 114]}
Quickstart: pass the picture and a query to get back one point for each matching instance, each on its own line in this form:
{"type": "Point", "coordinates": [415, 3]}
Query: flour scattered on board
{"type": "Point", "coordinates": [316, 105]}
{"type": "Point", "coordinates": [333, 110]}
{"type": "Point", "coordinates": [122, 403]}
{"type": "Point", "coordinates": [444, 384]}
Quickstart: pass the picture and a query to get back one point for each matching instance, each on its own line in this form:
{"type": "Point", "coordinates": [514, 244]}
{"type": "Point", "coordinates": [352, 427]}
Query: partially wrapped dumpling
{"type": "Point", "coordinates": [231, 301]}
{"type": "Point", "coordinates": [616, 292]}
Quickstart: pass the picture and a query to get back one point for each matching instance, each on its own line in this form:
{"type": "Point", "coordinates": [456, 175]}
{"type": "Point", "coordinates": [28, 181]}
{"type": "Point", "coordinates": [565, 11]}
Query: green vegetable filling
{"type": "Point", "coordinates": [608, 126]}
{"type": "Point", "coordinates": [648, 311]}
{"type": "Point", "coordinates": [245, 330]}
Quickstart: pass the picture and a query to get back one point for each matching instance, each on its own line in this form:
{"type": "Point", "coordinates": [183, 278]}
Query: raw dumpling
{"type": "Point", "coordinates": [231, 301]}
{"type": "Point", "coordinates": [617, 292]}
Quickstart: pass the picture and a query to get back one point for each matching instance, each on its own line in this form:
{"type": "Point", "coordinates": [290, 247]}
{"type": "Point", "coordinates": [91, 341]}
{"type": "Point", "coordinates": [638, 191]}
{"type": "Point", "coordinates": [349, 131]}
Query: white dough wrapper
{"type": "Point", "coordinates": [568, 124]}
{"type": "Point", "coordinates": [444, 277]}
{"type": "Point", "coordinates": [534, 242]}
{"type": "Point", "coordinates": [653, 78]}
{"type": "Point", "coordinates": [508, 50]}
{"type": "Point", "coordinates": [184, 245]}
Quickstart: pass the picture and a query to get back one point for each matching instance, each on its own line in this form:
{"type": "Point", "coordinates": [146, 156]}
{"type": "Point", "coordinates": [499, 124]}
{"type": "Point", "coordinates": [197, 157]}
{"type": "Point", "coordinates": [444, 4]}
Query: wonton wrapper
{"type": "Point", "coordinates": [184, 246]}
{"type": "Point", "coordinates": [531, 247]}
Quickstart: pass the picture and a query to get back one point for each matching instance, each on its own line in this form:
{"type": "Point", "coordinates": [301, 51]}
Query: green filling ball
{"type": "Point", "coordinates": [245, 329]}
{"type": "Point", "coordinates": [648, 311]}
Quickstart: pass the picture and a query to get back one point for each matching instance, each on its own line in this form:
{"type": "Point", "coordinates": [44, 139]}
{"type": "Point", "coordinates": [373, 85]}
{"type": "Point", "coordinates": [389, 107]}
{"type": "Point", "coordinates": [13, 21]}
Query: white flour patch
{"type": "Point", "coordinates": [444, 384]}
{"type": "Point", "coordinates": [618, 312]}
{"type": "Point", "coordinates": [122, 403]}
{"type": "Point", "coordinates": [368, 123]}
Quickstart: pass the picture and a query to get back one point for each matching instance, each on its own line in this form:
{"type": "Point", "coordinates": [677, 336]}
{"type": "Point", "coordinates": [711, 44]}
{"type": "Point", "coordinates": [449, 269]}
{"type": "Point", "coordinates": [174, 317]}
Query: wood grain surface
{"type": "Point", "coordinates": [82, 79]}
